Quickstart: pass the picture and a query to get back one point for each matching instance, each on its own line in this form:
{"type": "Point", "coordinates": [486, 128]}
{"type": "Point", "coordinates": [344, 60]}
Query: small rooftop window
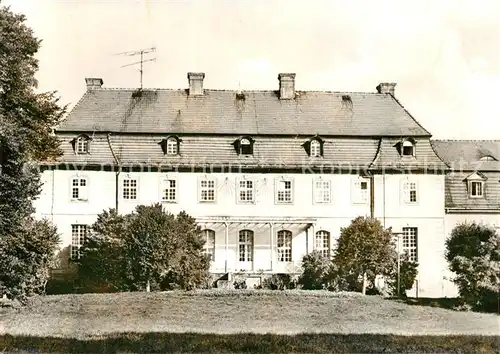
{"type": "Point", "coordinates": [170, 145]}
{"type": "Point", "coordinates": [81, 144]}
{"type": "Point", "coordinates": [408, 148]}
{"type": "Point", "coordinates": [487, 158]}
{"type": "Point", "coordinates": [244, 146]}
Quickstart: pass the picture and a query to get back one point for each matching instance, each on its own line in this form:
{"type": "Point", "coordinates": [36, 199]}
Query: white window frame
{"type": "Point", "coordinates": [81, 190]}
{"type": "Point", "coordinates": [209, 245]}
{"type": "Point", "coordinates": [409, 242]}
{"type": "Point", "coordinates": [166, 184]}
{"type": "Point", "coordinates": [407, 186]}
{"type": "Point", "coordinates": [284, 246]}
{"type": "Point", "coordinates": [82, 145]}
{"type": "Point", "coordinates": [481, 184]}
{"type": "Point", "coordinates": [322, 191]}
{"type": "Point", "coordinates": [322, 241]}
{"type": "Point", "coordinates": [279, 192]}
{"type": "Point", "coordinates": [172, 146]}
{"type": "Point", "coordinates": [359, 195]}
{"type": "Point", "coordinates": [204, 186]}
{"type": "Point", "coordinates": [245, 246]}
{"type": "Point", "coordinates": [130, 188]}
{"type": "Point", "coordinates": [79, 233]}
{"type": "Point", "coordinates": [248, 192]}
{"type": "Point", "coordinates": [315, 148]}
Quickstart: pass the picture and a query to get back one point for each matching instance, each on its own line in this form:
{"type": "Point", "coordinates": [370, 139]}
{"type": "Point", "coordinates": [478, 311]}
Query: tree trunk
{"type": "Point", "coordinates": [363, 290]}
{"type": "Point", "coordinates": [148, 287]}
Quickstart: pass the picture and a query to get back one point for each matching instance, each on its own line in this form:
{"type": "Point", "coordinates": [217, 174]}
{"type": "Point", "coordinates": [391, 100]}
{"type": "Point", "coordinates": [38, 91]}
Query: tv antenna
{"type": "Point", "coordinates": [140, 52]}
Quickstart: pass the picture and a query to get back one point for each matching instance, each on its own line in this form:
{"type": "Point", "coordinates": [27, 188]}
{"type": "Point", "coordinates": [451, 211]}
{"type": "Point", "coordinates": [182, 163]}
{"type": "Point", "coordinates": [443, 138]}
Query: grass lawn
{"type": "Point", "coordinates": [242, 321]}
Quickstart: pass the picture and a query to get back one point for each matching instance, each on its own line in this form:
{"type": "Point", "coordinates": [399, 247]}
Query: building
{"type": "Point", "coordinates": [472, 192]}
{"type": "Point", "coordinates": [269, 175]}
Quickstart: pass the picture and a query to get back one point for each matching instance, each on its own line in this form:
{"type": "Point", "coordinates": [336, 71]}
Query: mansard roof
{"type": "Point", "coordinates": [162, 111]}
{"type": "Point", "coordinates": [469, 155]}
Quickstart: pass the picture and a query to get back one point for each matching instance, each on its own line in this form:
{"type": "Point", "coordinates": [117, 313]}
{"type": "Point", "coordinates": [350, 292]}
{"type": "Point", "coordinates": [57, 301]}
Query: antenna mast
{"type": "Point", "coordinates": [140, 52]}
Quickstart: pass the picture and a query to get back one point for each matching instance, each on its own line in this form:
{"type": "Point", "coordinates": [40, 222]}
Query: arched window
{"type": "Point", "coordinates": [172, 146]}
{"type": "Point", "coordinates": [81, 144]}
{"type": "Point", "coordinates": [246, 147]}
{"type": "Point", "coordinates": [245, 246]}
{"type": "Point", "coordinates": [408, 148]}
{"type": "Point", "coordinates": [323, 243]}
{"type": "Point", "coordinates": [284, 246]}
{"type": "Point", "coordinates": [209, 246]}
{"type": "Point", "coordinates": [315, 148]}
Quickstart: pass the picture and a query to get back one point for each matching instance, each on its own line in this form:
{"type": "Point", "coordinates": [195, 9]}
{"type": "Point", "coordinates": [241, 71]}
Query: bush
{"type": "Point", "coordinates": [473, 254]}
{"type": "Point", "coordinates": [316, 272]}
{"type": "Point", "coordinates": [240, 284]}
{"type": "Point", "coordinates": [280, 281]}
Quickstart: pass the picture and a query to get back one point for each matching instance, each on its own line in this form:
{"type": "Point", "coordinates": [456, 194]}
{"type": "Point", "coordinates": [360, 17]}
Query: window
{"type": "Point", "coordinates": [360, 191]}
{"type": "Point", "coordinates": [410, 243]}
{"type": "Point", "coordinates": [476, 189]}
{"type": "Point", "coordinates": [284, 246]}
{"type": "Point", "coordinates": [284, 192]}
{"type": "Point", "coordinates": [172, 146]}
{"type": "Point", "coordinates": [130, 189]}
{"type": "Point", "coordinates": [209, 246]}
{"type": "Point", "coordinates": [322, 191]}
{"type": "Point", "coordinates": [207, 190]}
{"type": "Point", "coordinates": [169, 190]}
{"type": "Point", "coordinates": [82, 145]}
{"type": "Point", "coordinates": [408, 149]}
{"type": "Point", "coordinates": [79, 188]}
{"type": "Point", "coordinates": [78, 235]}
{"type": "Point", "coordinates": [410, 195]}
{"type": "Point", "coordinates": [244, 146]}
{"type": "Point", "coordinates": [315, 148]}
{"type": "Point", "coordinates": [245, 246]}
{"type": "Point", "coordinates": [487, 158]}
{"type": "Point", "coordinates": [322, 243]}
{"type": "Point", "coordinates": [245, 191]}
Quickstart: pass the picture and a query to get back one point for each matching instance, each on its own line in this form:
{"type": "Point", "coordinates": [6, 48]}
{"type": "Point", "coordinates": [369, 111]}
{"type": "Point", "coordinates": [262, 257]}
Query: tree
{"type": "Point", "coordinates": [26, 122]}
{"type": "Point", "coordinates": [25, 261]}
{"type": "Point", "coordinates": [473, 254]}
{"type": "Point", "coordinates": [146, 249]}
{"type": "Point", "coordinates": [364, 250]}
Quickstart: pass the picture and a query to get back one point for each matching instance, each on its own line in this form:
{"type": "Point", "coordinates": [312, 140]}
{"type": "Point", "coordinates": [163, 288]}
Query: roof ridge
{"type": "Point", "coordinates": [229, 90]}
{"type": "Point", "coordinates": [466, 140]}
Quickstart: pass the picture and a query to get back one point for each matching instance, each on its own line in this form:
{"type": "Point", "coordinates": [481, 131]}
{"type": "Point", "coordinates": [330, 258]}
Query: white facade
{"type": "Point", "coordinates": [310, 212]}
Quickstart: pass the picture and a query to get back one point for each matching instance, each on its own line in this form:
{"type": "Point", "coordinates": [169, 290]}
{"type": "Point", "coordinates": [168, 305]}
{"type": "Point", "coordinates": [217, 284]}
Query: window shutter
{"type": "Point", "coordinates": [83, 189]}
{"type": "Point", "coordinates": [321, 143]}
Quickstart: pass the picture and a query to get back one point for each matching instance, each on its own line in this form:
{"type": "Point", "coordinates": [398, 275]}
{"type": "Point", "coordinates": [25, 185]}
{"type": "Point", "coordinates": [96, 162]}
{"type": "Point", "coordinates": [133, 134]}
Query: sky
{"type": "Point", "coordinates": [444, 55]}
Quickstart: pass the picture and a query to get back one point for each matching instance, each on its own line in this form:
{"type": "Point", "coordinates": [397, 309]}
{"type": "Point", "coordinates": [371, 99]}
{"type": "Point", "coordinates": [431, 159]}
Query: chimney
{"type": "Point", "coordinates": [386, 87]}
{"type": "Point", "coordinates": [196, 83]}
{"type": "Point", "coordinates": [287, 86]}
{"type": "Point", "coordinates": [93, 83]}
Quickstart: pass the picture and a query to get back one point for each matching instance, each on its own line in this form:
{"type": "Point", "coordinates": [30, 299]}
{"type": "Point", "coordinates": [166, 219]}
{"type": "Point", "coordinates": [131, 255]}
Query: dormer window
{"type": "Point", "coordinates": [487, 158]}
{"type": "Point", "coordinates": [406, 147]}
{"type": "Point", "coordinates": [81, 144]}
{"type": "Point", "coordinates": [170, 145]}
{"type": "Point", "coordinates": [475, 185]}
{"type": "Point", "coordinates": [244, 146]}
{"type": "Point", "coordinates": [314, 147]}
